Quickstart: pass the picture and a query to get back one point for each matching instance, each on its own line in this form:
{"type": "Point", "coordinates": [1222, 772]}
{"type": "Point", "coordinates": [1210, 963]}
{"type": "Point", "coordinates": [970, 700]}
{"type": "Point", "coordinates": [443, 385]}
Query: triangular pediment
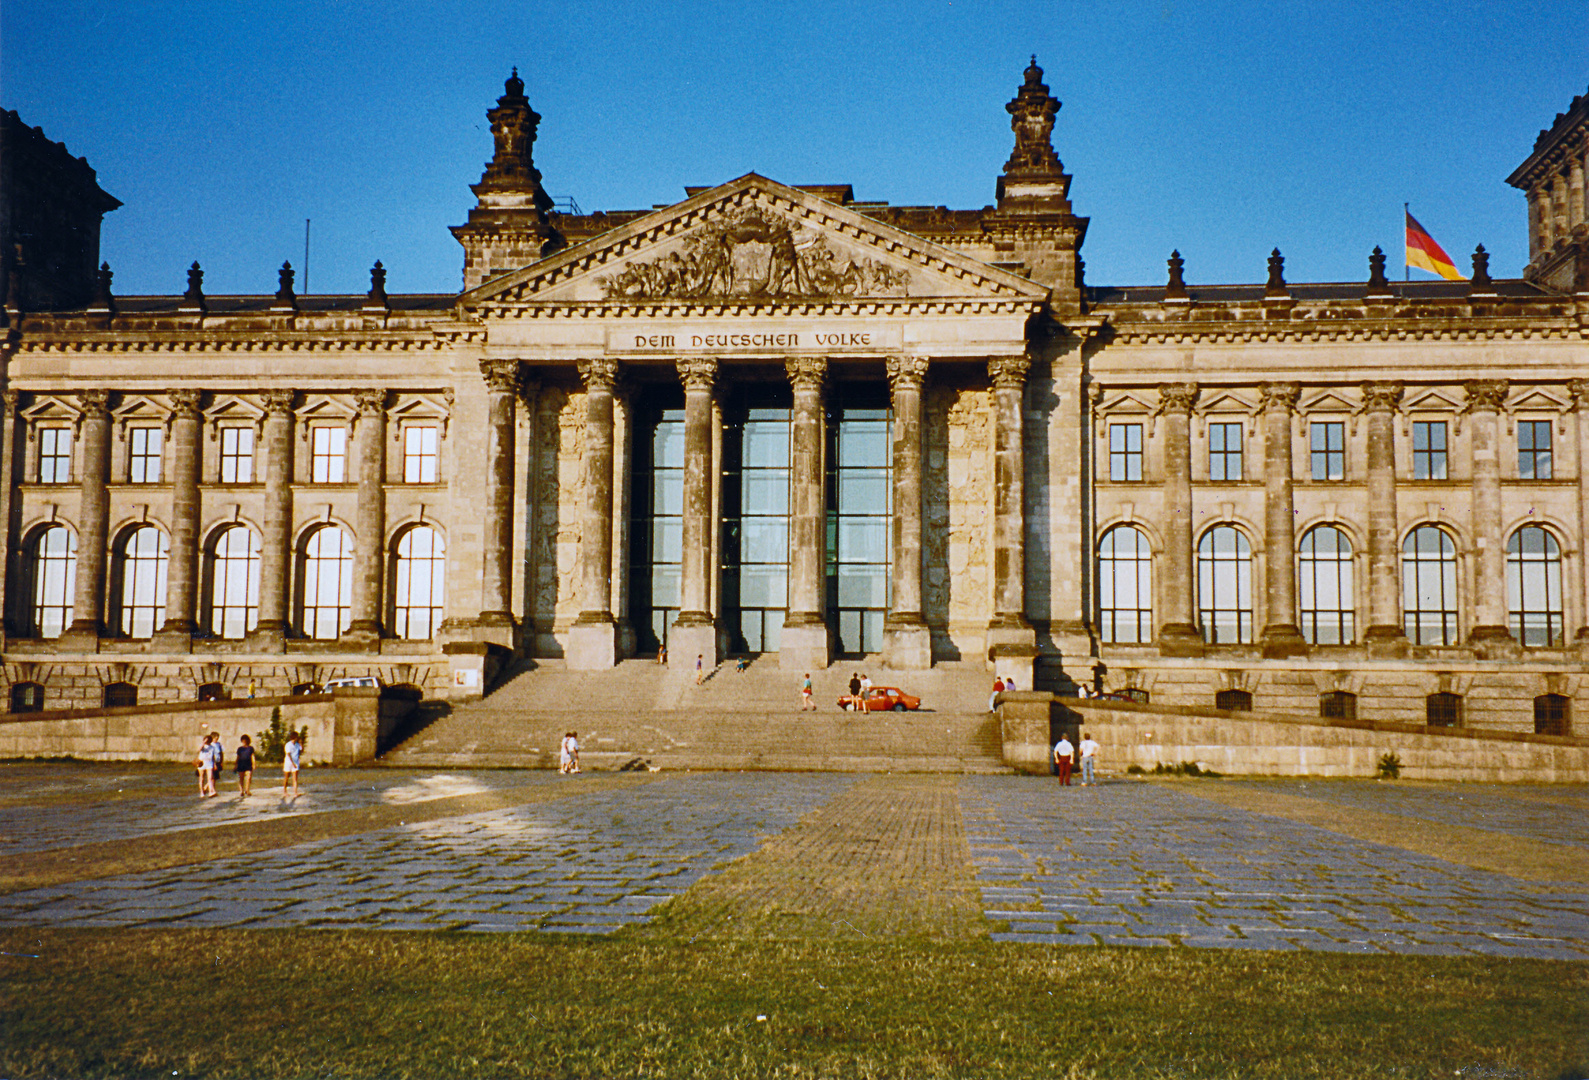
{"type": "Point", "coordinates": [1328, 401]}
{"type": "Point", "coordinates": [1431, 400]}
{"type": "Point", "coordinates": [1225, 401]}
{"type": "Point", "coordinates": [1535, 399]}
{"type": "Point", "coordinates": [752, 241]}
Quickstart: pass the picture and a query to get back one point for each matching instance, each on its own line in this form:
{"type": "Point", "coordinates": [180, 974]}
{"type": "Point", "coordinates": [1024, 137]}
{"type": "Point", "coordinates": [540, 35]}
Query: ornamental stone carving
{"type": "Point", "coordinates": [698, 373]}
{"type": "Point", "coordinates": [1579, 389]}
{"type": "Point", "coordinates": [278, 402]}
{"type": "Point", "coordinates": [95, 403]}
{"type": "Point", "coordinates": [1281, 396]}
{"type": "Point", "coordinates": [752, 252]}
{"type": "Point", "coordinates": [1177, 398]}
{"type": "Point", "coordinates": [1486, 395]}
{"type": "Point", "coordinates": [1009, 372]}
{"type": "Point", "coordinates": [185, 403]}
{"type": "Point", "coordinates": [806, 372]}
{"type": "Point", "coordinates": [1382, 396]}
{"type": "Point", "coordinates": [370, 402]}
{"type": "Point", "coordinates": [1032, 119]}
{"type": "Point", "coordinates": [599, 374]}
{"type": "Point", "coordinates": [501, 375]}
{"type": "Point", "coordinates": [906, 372]}
{"type": "Point", "coordinates": [12, 399]}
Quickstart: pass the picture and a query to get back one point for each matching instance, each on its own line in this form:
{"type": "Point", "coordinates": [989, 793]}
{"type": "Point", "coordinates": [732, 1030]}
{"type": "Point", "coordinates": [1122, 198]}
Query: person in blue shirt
{"type": "Point", "coordinates": [289, 764]}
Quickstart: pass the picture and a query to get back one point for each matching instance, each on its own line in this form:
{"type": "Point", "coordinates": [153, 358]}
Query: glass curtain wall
{"type": "Point", "coordinates": [657, 522]}
{"type": "Point", "coordinates": [860, 518]}
{"type": "Point", "coordinates": [755, 546]}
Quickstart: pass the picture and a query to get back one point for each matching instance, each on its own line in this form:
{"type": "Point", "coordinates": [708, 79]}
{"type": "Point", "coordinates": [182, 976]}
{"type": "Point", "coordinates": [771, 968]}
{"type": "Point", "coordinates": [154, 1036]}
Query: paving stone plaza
{"type": "Point", "coordinates": [1196, 863]}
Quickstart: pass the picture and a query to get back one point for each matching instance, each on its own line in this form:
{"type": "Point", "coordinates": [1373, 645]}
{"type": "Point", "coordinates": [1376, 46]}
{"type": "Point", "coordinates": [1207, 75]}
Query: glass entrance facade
{"type": "Point", "coordinates": [755, 544]}
{"type": "Point", "coordinates": [860, 500]}
{"type": "Point", "coordinates": [657, 526]}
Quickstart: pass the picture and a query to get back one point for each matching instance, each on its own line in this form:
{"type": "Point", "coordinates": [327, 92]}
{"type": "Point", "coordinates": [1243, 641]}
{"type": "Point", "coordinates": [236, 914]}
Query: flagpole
{"type": "Point", "coordinates": [1406, 270]}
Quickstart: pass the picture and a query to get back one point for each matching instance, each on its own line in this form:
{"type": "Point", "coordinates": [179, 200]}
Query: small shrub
{"type": "Point", "coordinates": [1185, 768]}
{"type": "Point", "coordinates": [1136, 770]}
{"type": "Point", "coordinates": [1389, 766]}
{"type": "Point", "coordinates": [273, 740]}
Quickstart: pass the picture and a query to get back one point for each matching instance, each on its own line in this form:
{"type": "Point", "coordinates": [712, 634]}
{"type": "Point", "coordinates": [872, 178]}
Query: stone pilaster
{"type": "Point", "coordinates": [1281, 637]}
{"type": "Point", "coordinates": [11, 600]}
{"type": "Point", "coordinates": [694, 631]}
{"type": "Point", "coordinates": [805, 644]}
{"type": "Point", "coordinates": [1580, 395]}
{"type": "Point", "coordinates": [907, 643]}
{"type": "Point", "coordinates": [369, 559]}
{"type": "Point", "coordinates": [1178, 634]}
{"type": "Point", "coordinates": [1489, 635]}
{"type": "Point", "coordinates": [593, 639]}
{"type": "Point", "coordinates": [1012, 643]}
{"type": "Point", "coordinates": [1386, 635]}
{"type": "Point", "coordinates": [182, 571]}
{"type": "Point", "coordinates": [495, 622]}
{"type": "Point", "coordinates": [275, 561]}
{"type": "Point", "coordinates": [1575, 189]}
{"type": "Point", "coordinates": [88, 602]}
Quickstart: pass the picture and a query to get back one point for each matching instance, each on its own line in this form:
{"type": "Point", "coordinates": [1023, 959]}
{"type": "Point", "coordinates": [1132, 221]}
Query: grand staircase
{"type": "Point", "coordinates": [641, 715]}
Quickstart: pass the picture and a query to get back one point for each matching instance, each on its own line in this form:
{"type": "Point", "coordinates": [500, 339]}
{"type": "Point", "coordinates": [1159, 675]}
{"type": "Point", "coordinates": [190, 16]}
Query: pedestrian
{"type": "Point", "coordinates": [1009, 684]}
{"type": "Point", "coordinates": [806, 700]}
{"type": "Point", "coordinates": [573, 751]}
{"type": "Point", "coordinates": [217, 760]}
{"type": "Point", "coordinates": [866, 692]}
{"type": "Point", "coordinates": [700, 667]}
{"type": "Point", "coordinates": [741, 664]}
{"type": "Point", "coordinates": [244, 767]}
{"type": "Point", "coordinates": [250, 687]}
{"type": "Point", "coordinates": [855, 691]}
{"type": "Point", "coordinates": [993, 698]}
{"type": "Point", "coordinates": [662, 654]}
{"type": "Point", "coordinates": [1089, 754]}
{"type": "Point", "coordinates": [565, 754]}
{"type": "Point", "coordinates": [1064, 757]}
{"type": "Point", "coordinates": [289, 763]}
{"type": "Point", "coordinates": [202, 763]}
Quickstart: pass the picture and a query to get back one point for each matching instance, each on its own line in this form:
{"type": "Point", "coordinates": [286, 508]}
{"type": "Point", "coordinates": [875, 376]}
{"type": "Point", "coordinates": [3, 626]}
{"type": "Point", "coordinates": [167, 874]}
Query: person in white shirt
{"type": "Point", "coordinates": [1064, 756]}
{"type": "Point", "coordinates": [1089, 753]}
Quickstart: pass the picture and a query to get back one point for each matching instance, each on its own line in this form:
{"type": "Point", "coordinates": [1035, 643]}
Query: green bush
{"type": "Point", "coordinates": [1185, 768]}
{"type": "Point", "coordinates": [273, 740]}
{"type": "Point", "coordinates": [1389, 766]}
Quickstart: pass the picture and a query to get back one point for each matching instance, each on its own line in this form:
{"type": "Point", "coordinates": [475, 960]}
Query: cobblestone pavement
{"type": "Point", "coordinates": [1151, 864]}
{"type": "Point", "coordinates": [807, 854]}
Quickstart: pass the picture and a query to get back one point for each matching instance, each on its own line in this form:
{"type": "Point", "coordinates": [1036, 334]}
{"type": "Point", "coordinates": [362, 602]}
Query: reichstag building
{"type": "Point", "coordinates": [778, 419]}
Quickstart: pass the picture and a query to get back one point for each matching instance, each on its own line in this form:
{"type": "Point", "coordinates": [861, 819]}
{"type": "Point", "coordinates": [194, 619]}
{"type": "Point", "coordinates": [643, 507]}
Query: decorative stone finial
{"type": "Point", "coordinates": [1176, 288]}
{"type": "Point", "coordinates": [194, 297]}
{"type": "Point", "coordinates": [377, 294]}
{"type": "Point", "coordinates": [1276, 285]}
{"type": "Point", "coordinates": [1032, 119]}
{"type": "Point", "coordinates": [1480, 281]}
{"type": "Point", "coordinates": [103, 300]}
{"type": "Point", "coordinates": [1378, 285]}
{"type": "Point", "coordinates": [285, 297]}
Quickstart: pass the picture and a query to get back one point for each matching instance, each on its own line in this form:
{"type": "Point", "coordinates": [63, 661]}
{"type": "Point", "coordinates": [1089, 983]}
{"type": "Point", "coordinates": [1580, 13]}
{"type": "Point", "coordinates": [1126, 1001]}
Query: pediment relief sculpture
{"type": "Point", "coordinates": [754, 253]}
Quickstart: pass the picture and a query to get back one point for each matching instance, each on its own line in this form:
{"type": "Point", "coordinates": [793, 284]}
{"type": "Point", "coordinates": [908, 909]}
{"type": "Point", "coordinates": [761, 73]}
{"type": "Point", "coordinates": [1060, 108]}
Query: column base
{"type": "Point", "coordinates": [1180, 639]}
{"type": "Point", "coordinates": [804, 645]}
{"type": "Point", "coordinates": [1014, 661]}
{"type": "Point", "coordinates": [173, 638]}
{"type": "Point", "coordinates": [1386, 642]}
{"type": "Point", "coordinates": [592, 642]}
{"type": "Point", "coordinates": [1494, 643]}
{"type": "Point", "coordinates": [1282, 640]}
{"type": "Point", "coordinates": [692, 635]}
{"type": "Point", "coordinates": [79, 637]}
{"type": "Point", "coordinates": [496, 627]}
{"type": "Point", "coordinates": [1072, 638]}
{"type": "Point", "coordinates": [362, 635]}
{"type": "Point", "coordinates": [269, 636]}
{"type": "Point", "coordinates": [907, 645]}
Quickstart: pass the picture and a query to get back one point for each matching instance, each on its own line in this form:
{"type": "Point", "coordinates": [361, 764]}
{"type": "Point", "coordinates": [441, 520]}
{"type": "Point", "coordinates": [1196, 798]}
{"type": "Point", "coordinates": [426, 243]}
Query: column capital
{"type": "Point", "coordinates": [696, 372]}
{"type": "Point", "coordinates": [1485, 395]}
{"type": "Point", "coordinates": [1009, 372]}
{"type": "Point", "coordinates": [370, 402]}
{"type": "Point", "coordinates": [278, 402]}
{"type": "Point", "coordinates": [1382, 396]}
{"type": "Point", "coordinates": [1579, 389]}
{"type": "Point", "coordinates": [599, 373]}
{"type": "Point", "coordinates": [13, 398]}
{"type": "Point", "coordinates": [185, 403]}
{"type": "Point", "coordinates": [1177, 398]}
{"type": "Point", "coordinates": [806, 372]}
{"type": "Point", "coordinates": [909, 372]}
{"type": "Point", "coordinates": [501, 375]}
{"type": "Point", "coordinates": [1280, 395]}
{"type": "Point", "coordinates": [95, 403]}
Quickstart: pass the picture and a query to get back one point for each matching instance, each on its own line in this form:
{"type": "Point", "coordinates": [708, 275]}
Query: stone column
{"type": "Point", "coordinates": [694, 631]}
{"type": "Point", "coordinates": [88, 603]}
{"type": "Point", "coordinates": [182, 571]}
{"type": "Point", "coordinates": [1386, 634]}
{"type": "Point", "coordinates": [1575, 189]}
{"type": "Point", "coordinates": [11, 600]}
{"type": "Point", "coordinates": [805, 644]}
{"type": "Point", "coordinates": [907, 643]}
{"type": "Point", "coordinates": [1012, 643]}
{"type": "Point", "coordinates": [495, 621]}
{"type": "Point", "coordinates": [1280, 637]}
{"type": "Point", "coordinates": [275, 560]}
{"type": "Point", "coordinates": [1178, 633]}
{"type": "Point", "coordinates": [1489, 636]}
{"type": "Point", "coordinates": [369, 558]}
{"type": "Point", "coordinates": [1580, 393]}
{"type": "Point", "coordinates": [593, 639]}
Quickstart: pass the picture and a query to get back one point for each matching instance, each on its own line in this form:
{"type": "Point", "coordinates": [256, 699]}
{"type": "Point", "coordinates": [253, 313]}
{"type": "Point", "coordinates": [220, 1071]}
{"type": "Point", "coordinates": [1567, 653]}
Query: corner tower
{"type": "Point", "coordinates": [1553, 179]}
{"type": "Point", "coordinates": [509, 228]}
{"type": "Point", "coordinates": [1033, 221]}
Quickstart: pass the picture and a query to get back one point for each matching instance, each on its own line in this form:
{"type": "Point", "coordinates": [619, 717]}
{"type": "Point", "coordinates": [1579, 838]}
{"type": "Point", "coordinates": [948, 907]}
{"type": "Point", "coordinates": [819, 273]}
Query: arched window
{"type": "Point", "coordinates": [1224, 586]}
{"type": "Point", "coordinates": [141, 563]}
{"type": "Point", "coordinates": [234, 582]}
{"type": "Point", "coordinates": [1125, 586]}
{"type": "Point", "coordinates": [1429, 586]}
{"type": "Point", "coordinates": [1324, 572]}
{"type": "Point", "coordinates": [421, 577]}
{"type": "Point", "coordinates": [1338, 705]}
{"type": "Point", "coordinates": [52, 568]}
{"type": "Point", "coordinates": [119, 694]}
{"type": "Point", "coordinates": [326, 597]}
{"type": "Point", "coordinates": [1234, 700]}
{"type": "Point", "coordinates": [1552, 714]}
{"type": "Point", "coordinates": [1533, 587]}
{"type": "Point", "coordinates": [1443, 710]}
{"type": "Point", "coordinates": [27, 697]}
{"type": "Point", "coordinates": [213, 691]}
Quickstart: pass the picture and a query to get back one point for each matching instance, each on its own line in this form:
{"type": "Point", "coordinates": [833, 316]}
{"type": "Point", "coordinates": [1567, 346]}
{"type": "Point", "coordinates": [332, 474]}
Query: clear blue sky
{"type": "Point", "coordinates": [1223, 129]}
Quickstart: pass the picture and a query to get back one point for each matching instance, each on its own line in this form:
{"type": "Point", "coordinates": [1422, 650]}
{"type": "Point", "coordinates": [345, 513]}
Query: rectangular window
{"type": "Point", "coordinates": [143, 455]}
{"type": "Point", "coordinates": [1224, 451]}
{"type": "Point", "coordinates": [1429, 450]}
{"type": "Point", "coordinates": [1533, 450]}
{"type": "Point", "coordinates": [1329, 450]}
{"type": "Point", "coordinates": [419, 454]}
{"type": "Point", "coordinates": [1125, 451]}
{"type": "Point", "coordinates": [328, 465]}
{"type": "Point", "coordinates": [237, 455]}
{"type": "Point", "coordinates": [55, 455]}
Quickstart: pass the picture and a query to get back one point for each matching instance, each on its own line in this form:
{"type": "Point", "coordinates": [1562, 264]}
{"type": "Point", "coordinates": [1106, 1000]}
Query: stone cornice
{"type": "Point", "coordinates": [693, 309]}
{"type": "Point", "coordinates": [1249, 333]}
{"type": "Point", "coordinates": [212, 344]}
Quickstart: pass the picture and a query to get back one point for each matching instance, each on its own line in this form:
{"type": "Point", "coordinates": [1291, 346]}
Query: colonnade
{"type": "Point", "coordinates": [1556, 199]}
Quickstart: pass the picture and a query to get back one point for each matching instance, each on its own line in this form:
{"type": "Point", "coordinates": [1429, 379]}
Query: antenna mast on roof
{"type": "Point", "coordinates": [306, 256]}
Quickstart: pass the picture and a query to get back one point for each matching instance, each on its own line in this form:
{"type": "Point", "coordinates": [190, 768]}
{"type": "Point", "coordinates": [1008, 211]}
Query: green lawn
{"type": "Point", "coordinates": [179, 1003]}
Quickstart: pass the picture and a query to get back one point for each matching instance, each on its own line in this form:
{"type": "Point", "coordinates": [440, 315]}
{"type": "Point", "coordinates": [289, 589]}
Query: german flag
{"type": "Point", "coordinates": [1425, 254]}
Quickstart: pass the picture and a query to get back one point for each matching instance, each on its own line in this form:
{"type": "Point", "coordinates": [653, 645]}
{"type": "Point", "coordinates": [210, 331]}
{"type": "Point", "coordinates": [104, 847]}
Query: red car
{"type": "Point", "coordinates": [882, 699]}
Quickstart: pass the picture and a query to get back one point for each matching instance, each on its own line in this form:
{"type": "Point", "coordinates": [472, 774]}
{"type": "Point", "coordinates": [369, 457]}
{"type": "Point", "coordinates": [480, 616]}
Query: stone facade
{"type": "Point", "coordinates": [966, 453]}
